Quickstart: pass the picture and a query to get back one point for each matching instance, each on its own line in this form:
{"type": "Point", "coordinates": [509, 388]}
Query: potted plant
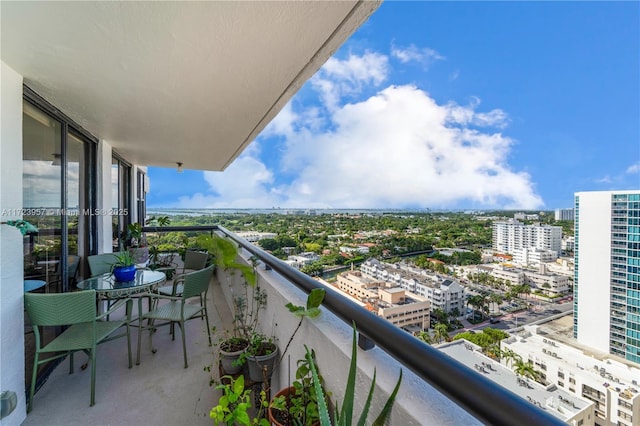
{"type": "Point", "coordinates": [246, 307]}
{"type": "Point", "coordinates": [124, 268]}
{"type": "Point", "coordinates": [298, 403]}
{"type": "Point", "coordinates": [261, 356]}
{"type": "Point", "coordinates": [135, 241]}
{"type": "Point", "coordinates": [343, 414]}
{"type": "Point", "coordinates": [234, 404]}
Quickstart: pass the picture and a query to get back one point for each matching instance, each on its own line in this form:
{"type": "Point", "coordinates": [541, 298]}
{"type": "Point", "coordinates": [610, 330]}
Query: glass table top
{"type": "Point", "coordinates": [108, 286]}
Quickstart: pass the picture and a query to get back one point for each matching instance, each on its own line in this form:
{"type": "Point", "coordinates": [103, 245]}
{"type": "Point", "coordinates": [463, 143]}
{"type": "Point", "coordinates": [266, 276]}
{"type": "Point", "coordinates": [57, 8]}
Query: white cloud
{"type": "Point", "coordinates": [396, 149]}
{"type": "Point", "coordinates": [425, 56]}
{"type": "Point", "coordinates": [244, 184]}
{"type": "Point", "coordinates": [339, 78]}
{"type": "Point", "coordinates": [634, 168]}
{"type": "Point", "coordinates": [604, 179]}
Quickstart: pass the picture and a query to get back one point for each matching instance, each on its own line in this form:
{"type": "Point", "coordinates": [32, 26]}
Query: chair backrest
{"type": "Point", "coordinates": [195, 260]}
{"type": "Point", "coordinates": [197, 282]}
{"type": "Point", "coordinates": [48, 309]}
{"type": "Point", "coordinates": [72, 266]}
{"type": "Point", "coordinates": [101, 263]}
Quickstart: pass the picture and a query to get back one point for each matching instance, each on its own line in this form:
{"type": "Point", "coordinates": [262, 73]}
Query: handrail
{"type": "Point", "coordinates": [482, 398]}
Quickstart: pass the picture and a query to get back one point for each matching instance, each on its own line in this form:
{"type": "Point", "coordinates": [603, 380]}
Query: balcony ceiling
{"type": "Point", "coordinates": [163, 82]}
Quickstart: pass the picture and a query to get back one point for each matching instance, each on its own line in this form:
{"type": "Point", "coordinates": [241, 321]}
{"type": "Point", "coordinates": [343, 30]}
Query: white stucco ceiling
{"type": "Point", "coordinates": [163, 82]}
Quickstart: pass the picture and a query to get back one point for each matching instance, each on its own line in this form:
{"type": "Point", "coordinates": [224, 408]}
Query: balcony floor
{"type": "Point", "coordinates": [159, 391]}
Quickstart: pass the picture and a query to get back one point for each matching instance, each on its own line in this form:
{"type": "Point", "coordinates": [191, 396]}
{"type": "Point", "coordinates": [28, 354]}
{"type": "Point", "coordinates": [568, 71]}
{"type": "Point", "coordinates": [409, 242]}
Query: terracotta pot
{"type": "Point", "coordinates": [270, 412]}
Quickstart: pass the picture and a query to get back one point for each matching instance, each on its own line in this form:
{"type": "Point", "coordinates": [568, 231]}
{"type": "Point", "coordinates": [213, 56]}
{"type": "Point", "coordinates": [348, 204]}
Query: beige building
{"type": "Point", "coordinates": [395, 304]}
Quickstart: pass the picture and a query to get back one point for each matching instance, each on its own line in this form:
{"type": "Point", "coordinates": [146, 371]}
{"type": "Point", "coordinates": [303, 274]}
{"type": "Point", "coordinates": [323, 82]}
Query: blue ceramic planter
{"type": "Point", "coordinates": [124, 273]}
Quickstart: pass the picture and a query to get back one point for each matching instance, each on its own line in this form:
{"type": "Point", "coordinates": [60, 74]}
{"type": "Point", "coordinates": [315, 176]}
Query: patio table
{"type": "Point", "coordinates": [107, 288]}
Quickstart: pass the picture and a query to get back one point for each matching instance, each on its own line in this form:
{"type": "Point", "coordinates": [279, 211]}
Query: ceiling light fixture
{"type": "Point", "coordinates": [180, 170]}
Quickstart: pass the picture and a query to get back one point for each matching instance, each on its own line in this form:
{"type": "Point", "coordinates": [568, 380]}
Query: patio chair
{"type": "Point", "coordinates": [101, 263]}
{"type": "Point", "coordinates": [85, 331]}
{"type": "Point", "coordinates": [177, 310]}
{"type": "Point", "coordinates": [193, 261]}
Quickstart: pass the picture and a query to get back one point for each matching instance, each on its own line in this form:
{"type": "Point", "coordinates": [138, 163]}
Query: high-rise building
{"type": "Point", "coordinates": [512, 235]}
{"type": "Point", "coordinates": [607, 272]}
{"type": "Point", "coordinates": [564, 214]}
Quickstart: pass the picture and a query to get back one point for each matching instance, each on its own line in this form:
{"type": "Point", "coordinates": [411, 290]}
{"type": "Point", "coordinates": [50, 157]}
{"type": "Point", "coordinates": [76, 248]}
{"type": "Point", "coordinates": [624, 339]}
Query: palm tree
{"type": "Point", "coordinates": [510, 357]}
{"type": "Point", "coordinates": [496, 299]}
{"type": "Point", "coordinates": [424, 336]}
{"type": "Point", "coordinates": [525, 369]}
{"type": "Point", "coordinates": [441, 332]}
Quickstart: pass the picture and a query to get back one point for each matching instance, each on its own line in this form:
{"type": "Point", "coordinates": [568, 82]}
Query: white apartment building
{"type": "Point", "coordinates": [512, 235]}
{"type": "Point", "coordinates": [567, 407]}
{"type": "Point", "coordinates": [531, 256]}
{"type": "Point", "coordinates": [568, 243]}
{"type": "Point", "coordinates": [607, 272]}
{"type": "Point", "coordinates": [253, 236]}
{"type": "Point", "coordinates": [300, 260]}
{"type": "Point", "coordinates": [443, 292]}
{"type": "Point", "coordinates": [550, 284]}
{"type": "Point", "coordinates": [609, 382]}
{"type": "Point", "coordinates": [564, 214]}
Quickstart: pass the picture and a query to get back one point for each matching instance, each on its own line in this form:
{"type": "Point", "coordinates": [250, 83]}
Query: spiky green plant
{"type": "Point", "coordinates": [344, 416]}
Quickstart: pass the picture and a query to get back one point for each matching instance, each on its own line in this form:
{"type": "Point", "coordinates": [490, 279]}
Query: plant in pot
{"type": "Point", "coordinates": [343, 413]}
{"type": "Point", "coordinates": [135, 241]}
{"type": "Point", "coordinates": [298, 403]}
{"type": "Point", "coordinates": [235, 403]}
{"type": "Point", "coordinates": [124, 268]}
{"type": "Point", "coordinates": [260, 356]}
{"type": "Point", "coordinates": [246, 307]}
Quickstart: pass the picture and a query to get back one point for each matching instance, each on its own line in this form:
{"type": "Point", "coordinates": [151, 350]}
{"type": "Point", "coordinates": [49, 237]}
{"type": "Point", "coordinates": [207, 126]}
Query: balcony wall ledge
{"type": "Point", "coordinates": [417, 403]}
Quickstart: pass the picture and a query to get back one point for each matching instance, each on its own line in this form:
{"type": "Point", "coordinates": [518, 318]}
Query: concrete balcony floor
{"type": "Point", "coordinates": [159, 391]}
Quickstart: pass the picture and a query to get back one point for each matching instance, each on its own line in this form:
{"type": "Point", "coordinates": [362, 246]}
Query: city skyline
{"type": "Point", "coordinates": [529, 104]}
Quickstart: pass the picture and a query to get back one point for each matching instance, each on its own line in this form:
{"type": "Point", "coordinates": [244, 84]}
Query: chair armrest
{"type": "Point", "coordinates": [128, 301]}
{"type": "Point", "coordinates": [165, 297]}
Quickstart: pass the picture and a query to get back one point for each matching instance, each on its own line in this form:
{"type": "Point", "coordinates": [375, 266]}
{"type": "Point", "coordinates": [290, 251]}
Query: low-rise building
{"type": "Point", "coordinates": [394, 303]}
{"type": "Point", "coordinates": [533, 256]}
{"type": "Point", "coordinates": [610, 382]}
{"type": "Point", "coordinates": [253, 236]}
{"type": "Point", "coordinates": [299, 260]}
{"type": "Point", "coordinates": [442, 291]}
{"type": "Point", "coordinates": [567, 407]}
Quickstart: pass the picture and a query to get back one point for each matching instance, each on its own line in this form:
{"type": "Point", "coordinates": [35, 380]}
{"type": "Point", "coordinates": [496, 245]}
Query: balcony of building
{"type": "Point", "coordinates": [435, 389]}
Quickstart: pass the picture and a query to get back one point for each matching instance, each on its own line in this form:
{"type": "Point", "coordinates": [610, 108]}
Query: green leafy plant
{"type": "Point", "coordinates": [298, 404]}
{"type": "Point", "coordinates": [124, 258]}
{"type": "Point", "coordinates": [234, 404]}
{"type": "Point", "coordinates": [133, 235]}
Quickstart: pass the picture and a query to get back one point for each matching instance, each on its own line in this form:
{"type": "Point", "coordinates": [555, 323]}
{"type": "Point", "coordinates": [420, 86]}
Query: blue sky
{"type": "Point", "coordinates": [448, 105]}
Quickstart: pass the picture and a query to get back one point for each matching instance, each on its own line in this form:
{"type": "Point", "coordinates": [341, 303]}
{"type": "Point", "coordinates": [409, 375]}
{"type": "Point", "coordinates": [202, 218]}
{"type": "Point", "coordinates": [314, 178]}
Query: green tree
{"type": "Point", "coordinates": [441, 332]}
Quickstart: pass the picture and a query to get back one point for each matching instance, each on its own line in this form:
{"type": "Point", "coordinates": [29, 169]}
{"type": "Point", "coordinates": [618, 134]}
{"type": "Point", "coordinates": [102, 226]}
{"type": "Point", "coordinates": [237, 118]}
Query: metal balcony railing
{"type": "Point", "coordinates": [480, 397]}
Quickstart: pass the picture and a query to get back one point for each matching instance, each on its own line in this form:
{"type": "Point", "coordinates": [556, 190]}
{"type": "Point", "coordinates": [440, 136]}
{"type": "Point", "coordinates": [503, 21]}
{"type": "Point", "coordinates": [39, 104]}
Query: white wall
{"type": "Point", "coordinates": [105, 244]}
{"type": "Point", "coordinates": [594, 268]}
{"type": "Point", "coordinates": [11, 260]}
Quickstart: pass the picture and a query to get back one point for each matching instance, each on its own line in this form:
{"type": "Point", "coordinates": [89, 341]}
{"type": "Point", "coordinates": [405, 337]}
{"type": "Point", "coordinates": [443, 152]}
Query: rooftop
{"type": "Point", "coordinates": [558, 402]}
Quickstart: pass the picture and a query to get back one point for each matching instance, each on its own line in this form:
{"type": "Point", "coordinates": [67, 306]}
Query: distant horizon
{"type": "Point", "coordinates": [277, 209]}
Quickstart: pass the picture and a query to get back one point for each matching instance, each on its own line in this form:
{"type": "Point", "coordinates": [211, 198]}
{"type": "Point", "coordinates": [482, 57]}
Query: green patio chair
{"type": "Point", "coordinates": [85, 330]}
{"type": "Point", "coordinates": [193, 261]}
{"type": "Point", "coordinates": [178, 310]}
